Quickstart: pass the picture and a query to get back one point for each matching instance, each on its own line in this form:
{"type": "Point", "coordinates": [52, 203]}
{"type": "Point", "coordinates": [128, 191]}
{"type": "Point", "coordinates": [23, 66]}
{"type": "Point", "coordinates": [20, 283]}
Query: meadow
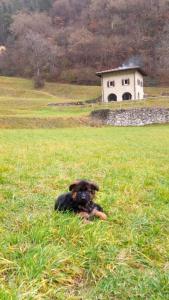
{"type": "Point", "coordinates": [21, 106]}
{"type": "Point", "coordinates": [49, 255]}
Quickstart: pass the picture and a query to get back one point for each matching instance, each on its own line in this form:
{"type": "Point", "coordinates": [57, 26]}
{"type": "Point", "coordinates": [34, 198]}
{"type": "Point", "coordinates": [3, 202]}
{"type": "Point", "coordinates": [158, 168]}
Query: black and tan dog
{"type": "Point", "coordinates": [80, 200]}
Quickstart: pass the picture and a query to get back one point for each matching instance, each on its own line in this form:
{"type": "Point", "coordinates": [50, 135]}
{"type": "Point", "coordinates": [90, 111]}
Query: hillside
{"type": "Point", "coordinates": [69, 40]}
{"type": "Point", "coordinates": [21, 106]}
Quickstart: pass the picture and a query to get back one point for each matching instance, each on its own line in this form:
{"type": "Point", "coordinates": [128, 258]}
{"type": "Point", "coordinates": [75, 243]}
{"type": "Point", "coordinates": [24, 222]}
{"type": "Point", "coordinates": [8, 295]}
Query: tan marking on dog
{"type": "Point", "coordinates": [99, 214]}
{"type": "Point", "coordinates": [84, 215]}
{"type": "Point", "coordinates": [74, 194]}
{"type": "Point", "coordinates": [92, 195]}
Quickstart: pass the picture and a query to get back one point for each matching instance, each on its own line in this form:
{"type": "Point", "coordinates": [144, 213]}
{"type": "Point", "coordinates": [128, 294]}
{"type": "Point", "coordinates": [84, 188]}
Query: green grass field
{"type": "Point", "coordinates": [48, 255]}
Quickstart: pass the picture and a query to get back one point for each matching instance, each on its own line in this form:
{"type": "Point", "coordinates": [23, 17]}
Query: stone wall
{"type": "Point", "coordinates": [91, 101]}
{"type": "Point", "coordinates": [132, 117]}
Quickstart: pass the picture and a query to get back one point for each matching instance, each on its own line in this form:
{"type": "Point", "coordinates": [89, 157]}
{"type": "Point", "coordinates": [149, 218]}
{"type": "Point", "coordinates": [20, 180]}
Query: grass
{"type": "Point", "coordinates": [21, 106]}
{"type": "Point", "coordinates": [47, 255]}
{"type": "Point", "coordinates": [23, 88]}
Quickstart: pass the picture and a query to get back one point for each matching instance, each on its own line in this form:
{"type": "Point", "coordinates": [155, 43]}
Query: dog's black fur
{"type": "Point", "coordinates": [79, 199]}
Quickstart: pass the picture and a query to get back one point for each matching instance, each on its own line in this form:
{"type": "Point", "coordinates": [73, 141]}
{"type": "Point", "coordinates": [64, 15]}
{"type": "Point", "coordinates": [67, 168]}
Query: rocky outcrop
{"type": "Point", "coordinates": [132, 117]}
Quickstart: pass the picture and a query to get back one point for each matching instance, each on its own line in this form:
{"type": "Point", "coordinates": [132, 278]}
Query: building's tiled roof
{"type": "Point", "coordinates": [122, 69]}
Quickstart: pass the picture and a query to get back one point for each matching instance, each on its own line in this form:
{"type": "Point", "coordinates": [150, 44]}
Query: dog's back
{"type": "Point", "coordinates": [64, 202]}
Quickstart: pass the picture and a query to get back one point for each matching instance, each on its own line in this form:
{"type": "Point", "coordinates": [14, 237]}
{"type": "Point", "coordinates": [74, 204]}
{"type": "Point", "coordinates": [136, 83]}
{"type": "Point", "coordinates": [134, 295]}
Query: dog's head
{"type": "Point", "coordinates": [83, 191]}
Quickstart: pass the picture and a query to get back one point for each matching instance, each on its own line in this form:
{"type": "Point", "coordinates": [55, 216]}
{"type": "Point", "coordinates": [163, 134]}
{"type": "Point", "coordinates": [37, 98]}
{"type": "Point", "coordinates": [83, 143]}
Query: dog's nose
{"type": "Point", "coordinates": [83, 196]}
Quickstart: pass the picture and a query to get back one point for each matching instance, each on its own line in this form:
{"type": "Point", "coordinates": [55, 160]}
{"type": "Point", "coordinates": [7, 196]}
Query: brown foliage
{"type": "Point", "coordinates": [76, 35]}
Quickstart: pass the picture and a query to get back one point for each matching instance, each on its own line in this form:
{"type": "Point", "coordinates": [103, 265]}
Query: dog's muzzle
{"type": "Point", "coordinates": [83, 198]}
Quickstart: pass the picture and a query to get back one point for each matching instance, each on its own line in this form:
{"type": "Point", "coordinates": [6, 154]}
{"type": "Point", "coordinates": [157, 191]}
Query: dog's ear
{"type": "Point", "coordinates": [94, 186]}
{"type": "Point", "coordinates": [72, 186]}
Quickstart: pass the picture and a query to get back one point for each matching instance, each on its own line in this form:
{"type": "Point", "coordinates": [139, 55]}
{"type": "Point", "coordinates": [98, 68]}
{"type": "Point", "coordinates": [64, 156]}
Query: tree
{"type": "Point", "coordinates": [35, 47]}
{"type": "Point", "coordinates": [161, 57]}
{"type": "Point", "coordinates": [24, 22]}
{"type": "Point", "coordinates": [39, 54]}
{"type": "Point", "coordinates": [91, 34]}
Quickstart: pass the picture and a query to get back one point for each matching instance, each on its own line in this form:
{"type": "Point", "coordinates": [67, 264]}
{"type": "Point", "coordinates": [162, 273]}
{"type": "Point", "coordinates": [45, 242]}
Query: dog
{"type": "Point", "coordinates": [79, 200]}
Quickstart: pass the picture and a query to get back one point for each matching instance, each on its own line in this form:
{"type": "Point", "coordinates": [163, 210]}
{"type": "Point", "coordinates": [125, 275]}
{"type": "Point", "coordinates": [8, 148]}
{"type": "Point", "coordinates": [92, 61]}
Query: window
{"type": "Point", "coordinates": [110, 83]}
{"type": "Point", "coordinates": [125, 81]}
{"type": "Point", "coordinates": [139, 82]}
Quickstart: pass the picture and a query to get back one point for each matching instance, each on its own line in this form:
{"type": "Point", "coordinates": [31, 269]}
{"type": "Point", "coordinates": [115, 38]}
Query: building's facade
{"type": "Point", "coordinates": [122, 84]}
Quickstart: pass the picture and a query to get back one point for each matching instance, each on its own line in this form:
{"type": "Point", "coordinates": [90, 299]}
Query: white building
{"type": "Point", "coordinates": [122, 84]}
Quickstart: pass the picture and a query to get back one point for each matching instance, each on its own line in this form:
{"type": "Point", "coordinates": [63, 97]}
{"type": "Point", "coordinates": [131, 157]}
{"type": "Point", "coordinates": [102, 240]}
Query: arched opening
{"type": "Point", "coordinates": [112, 97]}
{"type": "Point", "coordinates": [127, 96]}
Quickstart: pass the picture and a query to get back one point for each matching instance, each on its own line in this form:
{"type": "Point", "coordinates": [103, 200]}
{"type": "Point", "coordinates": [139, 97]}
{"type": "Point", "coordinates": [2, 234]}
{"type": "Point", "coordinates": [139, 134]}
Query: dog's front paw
{"type": "Point", "coordinates": [101, 215]}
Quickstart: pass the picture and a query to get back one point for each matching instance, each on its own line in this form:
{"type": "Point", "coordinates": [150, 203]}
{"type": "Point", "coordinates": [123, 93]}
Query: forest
{"type": "Point", "coordinates": [69, 40]}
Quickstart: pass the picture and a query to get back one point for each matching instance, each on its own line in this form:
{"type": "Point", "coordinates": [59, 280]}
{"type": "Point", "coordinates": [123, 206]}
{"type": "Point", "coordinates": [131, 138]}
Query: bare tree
{"type": "Point", "coordinates": [39, 53]}
{"type": "Point", "coordinates": [35, 44]}
{"type": "Point", "coordinates": [37, 22]}
{"type": "Point", "coordinates": [91, 34]}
